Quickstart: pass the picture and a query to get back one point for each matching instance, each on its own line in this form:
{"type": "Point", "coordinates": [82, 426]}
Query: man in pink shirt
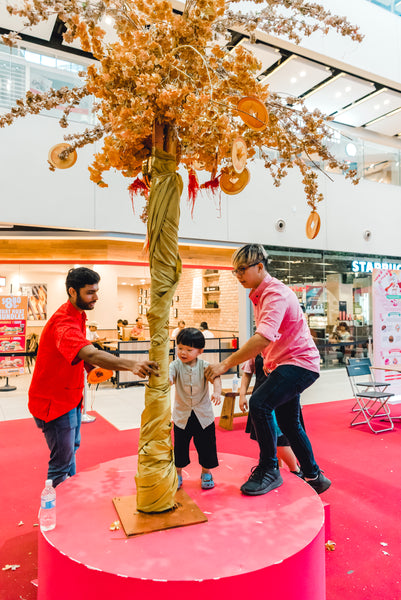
{"type": "Point", "coordinates": [292, 361]}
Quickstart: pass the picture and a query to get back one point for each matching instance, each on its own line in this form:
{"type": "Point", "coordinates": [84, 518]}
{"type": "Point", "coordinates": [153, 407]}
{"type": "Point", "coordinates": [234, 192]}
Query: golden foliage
{"type": "Point", "coordinates": [168, 67]}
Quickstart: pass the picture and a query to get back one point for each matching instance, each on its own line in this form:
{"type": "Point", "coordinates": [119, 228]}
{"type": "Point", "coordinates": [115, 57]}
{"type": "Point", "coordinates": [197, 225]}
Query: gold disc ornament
{"type": "Point", "coordinates": [313, 225]}
{"type": "Point", "coordinates": [253, 112]}
{"type": "Point", "coordinates": [233, 183]}
{"type": "Point", "coordinates": [59, 163]}
{"type": "Point", "coordinates": [239, 154]}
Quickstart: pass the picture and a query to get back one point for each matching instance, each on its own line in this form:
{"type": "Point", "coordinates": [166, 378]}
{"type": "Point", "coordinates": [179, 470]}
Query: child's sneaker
{"type": "Point", "coordinates": [207, 481]}
{"type": "Point", "coordinates": [179, 481]}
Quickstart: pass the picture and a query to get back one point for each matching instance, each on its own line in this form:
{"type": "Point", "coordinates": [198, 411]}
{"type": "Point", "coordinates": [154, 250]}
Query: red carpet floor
{"type": "Point", "coordinates": [364, 499]}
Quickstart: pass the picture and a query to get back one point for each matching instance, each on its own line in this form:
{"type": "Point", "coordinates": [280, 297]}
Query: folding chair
{"type": "Point", "coordinates": [371, 404]}
{"type": "Point", "coordinates": [380, 386]}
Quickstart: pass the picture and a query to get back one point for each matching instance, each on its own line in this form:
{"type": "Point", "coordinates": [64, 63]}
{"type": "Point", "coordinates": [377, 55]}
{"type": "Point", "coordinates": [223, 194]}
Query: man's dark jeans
{"type": "Point", "coordinates": [63, 437]}
{"type": "Point", "coordinates": [281, 393]}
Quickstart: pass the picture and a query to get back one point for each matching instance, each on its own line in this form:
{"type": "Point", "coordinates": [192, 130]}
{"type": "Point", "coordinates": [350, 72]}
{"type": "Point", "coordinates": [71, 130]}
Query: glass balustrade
{"type": "Point", "coordinates": [23, 70]}
{"type": "Point", "coordinates": [391, 5]}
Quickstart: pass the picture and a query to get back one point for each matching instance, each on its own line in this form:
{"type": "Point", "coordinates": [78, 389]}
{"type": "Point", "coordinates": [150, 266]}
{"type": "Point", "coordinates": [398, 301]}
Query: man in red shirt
{"type": "Point", "coordinates": [292, 362]}
{"type": "Point", "coordinates": [55, 393]}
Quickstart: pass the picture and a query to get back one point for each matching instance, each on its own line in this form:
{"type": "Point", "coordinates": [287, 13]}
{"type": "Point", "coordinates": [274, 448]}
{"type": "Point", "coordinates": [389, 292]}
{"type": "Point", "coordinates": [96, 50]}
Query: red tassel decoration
{"type": "Point", "coordinates": [138, 186]}
{"type": "Point", "coordinates": [193, 189]}
{"type": "Point", "coordinates": [212, 187]}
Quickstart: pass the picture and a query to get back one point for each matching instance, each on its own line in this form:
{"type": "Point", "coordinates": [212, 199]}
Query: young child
{"type": "Point", "coordinates": [193, 412]}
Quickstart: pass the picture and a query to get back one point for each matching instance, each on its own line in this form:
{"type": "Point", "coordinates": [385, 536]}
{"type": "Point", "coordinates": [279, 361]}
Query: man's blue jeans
{"type": "Point", "coordinates": [281, 393]}
{"type": "Point", "coordinates": [63, 437]}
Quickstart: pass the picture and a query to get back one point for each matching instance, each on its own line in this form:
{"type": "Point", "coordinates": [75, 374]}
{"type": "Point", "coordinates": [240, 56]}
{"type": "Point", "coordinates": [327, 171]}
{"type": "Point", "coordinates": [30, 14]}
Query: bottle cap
{"type": "Point", "coordinates": [49, 483]}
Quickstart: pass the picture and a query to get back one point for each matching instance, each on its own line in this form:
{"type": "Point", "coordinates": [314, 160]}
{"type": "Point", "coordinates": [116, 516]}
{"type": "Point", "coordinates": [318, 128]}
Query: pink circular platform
{"type": "Point", "coordinates": [273, 543]}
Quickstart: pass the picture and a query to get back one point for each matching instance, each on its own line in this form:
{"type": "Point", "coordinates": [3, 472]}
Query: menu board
{"type": "Point", "coordinates": [13, 314]}
{"type": "Point", "coordinates": [387, 325]}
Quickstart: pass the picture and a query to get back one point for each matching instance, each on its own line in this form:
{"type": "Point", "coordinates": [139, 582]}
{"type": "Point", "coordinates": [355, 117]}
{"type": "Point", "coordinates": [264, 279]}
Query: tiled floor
{"type": "Point", "coordinates": [123, 407]}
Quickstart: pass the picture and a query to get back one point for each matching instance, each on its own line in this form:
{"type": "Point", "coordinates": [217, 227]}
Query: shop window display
{"type": "Point", "coordinates": [331, 291]}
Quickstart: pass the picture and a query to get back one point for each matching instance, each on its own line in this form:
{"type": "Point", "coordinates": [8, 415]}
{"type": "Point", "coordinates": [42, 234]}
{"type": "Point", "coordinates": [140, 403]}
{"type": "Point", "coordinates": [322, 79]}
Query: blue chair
{"type": "Point", "coordinates": [370, 403]}
{"type": "Point", "coordinates": [371, 383]}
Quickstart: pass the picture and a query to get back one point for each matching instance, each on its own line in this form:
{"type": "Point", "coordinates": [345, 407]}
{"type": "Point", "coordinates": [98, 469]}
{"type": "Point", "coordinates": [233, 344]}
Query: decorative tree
{"type": "Point", "coordinates": [169, 89]}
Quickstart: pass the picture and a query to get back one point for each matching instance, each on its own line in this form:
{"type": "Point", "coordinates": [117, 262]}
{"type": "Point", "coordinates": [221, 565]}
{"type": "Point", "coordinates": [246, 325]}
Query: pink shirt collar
{"type": "Point", "coordinates": [257, 292]}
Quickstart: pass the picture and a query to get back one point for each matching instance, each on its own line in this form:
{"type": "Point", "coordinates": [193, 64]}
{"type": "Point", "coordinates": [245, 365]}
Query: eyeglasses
{"type": "Point", "coordinates": [241, 270]}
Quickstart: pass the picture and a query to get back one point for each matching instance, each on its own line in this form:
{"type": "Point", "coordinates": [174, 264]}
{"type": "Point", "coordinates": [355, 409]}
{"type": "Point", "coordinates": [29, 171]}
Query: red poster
{"type": "Point", "coordinates": [13, 314]}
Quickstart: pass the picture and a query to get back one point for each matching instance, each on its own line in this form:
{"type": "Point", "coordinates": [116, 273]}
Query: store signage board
{"type": "Point", "coordinates": [387, 325]}
{"type": "Point", "coordinates": [367, 266]}
{"type": "Point", "coordinates": [13, 314]}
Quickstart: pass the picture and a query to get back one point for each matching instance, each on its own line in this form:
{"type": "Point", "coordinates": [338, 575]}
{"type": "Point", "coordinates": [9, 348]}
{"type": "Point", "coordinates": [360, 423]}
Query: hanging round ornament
{"type": "Point", "coordinates": [313, 225]}
{"type": "Point", "coordinates": [62, 163]}
{"type": "Point", "coordinates": [253, 112]}
{"type": "Point", "coordinates": [233, 183]}
{"type": "Point", "coordinates": [99, 374]}
{"type": "Point", "coordinates": [239, 154]}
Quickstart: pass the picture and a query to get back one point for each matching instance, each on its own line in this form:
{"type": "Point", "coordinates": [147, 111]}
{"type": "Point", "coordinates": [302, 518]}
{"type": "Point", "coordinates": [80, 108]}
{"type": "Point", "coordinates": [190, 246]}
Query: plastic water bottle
{"type": "Point", "coordinates": [47, 513]}
{"type": "Point", "coordinates": [235, 383]}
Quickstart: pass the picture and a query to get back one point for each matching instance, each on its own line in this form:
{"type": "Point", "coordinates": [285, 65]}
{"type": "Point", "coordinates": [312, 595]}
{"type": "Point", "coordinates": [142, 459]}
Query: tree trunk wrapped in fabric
{"type": "Point", "coordinates": [156, 480]}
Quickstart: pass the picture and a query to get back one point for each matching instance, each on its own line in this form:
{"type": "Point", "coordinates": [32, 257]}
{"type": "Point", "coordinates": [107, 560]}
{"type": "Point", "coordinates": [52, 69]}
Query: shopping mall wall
{"type": "Point", "coordinates": [378, 55]}
{"type": "Point", "coordinates": [33, 195]}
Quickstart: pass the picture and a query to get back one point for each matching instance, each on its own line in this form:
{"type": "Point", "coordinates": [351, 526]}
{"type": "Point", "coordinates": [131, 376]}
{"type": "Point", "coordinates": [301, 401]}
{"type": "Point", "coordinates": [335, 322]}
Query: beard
{"type": "Point", "coordinates": [84, 305]}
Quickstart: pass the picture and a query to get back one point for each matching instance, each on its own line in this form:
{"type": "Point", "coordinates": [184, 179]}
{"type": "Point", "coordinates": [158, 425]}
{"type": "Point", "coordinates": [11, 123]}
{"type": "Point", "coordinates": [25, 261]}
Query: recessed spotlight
{"type": "Point", "coordinates": [338, 94]}
{"type": "Point", "coordinates": [348, 88]}
{"type": "Point", "coordinates": [377, 106]}
{"type": "Point", "coordinates": [108, 20]}
{"type": "Point", "coordinates": [302, 74]}
{"type": "Point", "coordinates": [293, 79]}
{"type": "Point", "coordinates": [386, 101]}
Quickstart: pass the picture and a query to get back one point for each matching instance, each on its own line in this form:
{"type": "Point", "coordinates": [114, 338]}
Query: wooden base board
{"type": "Point", "coordinates": [136, 523]}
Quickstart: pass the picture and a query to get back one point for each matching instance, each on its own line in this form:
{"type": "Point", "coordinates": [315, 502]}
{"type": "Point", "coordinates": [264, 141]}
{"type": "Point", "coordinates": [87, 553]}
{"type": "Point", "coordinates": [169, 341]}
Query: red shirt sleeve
{"type": "Point", "coordinates": [69, 340]}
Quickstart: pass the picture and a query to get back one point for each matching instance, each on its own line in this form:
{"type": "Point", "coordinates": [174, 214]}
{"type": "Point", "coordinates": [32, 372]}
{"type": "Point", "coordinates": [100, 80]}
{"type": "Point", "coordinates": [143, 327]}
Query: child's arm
{"type": "Point", "coordinates": [171, 373]}
{"type": "Point", "coordinates": [216, 395]}
{"type": "Point", "coordinates": [245, 381]}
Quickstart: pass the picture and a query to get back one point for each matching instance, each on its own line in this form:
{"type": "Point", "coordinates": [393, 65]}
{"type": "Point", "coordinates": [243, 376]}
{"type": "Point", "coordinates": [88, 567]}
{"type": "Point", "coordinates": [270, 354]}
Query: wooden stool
{"type": "Point", "coordinates": [227, 412]}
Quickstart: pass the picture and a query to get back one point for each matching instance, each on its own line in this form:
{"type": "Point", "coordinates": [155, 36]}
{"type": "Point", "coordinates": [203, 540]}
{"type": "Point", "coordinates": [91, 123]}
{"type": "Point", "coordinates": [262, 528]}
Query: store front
{"type": "Point", "coordinates": [335, 292]}
{"type": "Point", "coordinates": [207, 292]}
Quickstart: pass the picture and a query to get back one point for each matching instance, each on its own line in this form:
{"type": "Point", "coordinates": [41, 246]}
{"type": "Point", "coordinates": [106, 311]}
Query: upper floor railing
{"type": "Point", "coordinates": [391, 5]}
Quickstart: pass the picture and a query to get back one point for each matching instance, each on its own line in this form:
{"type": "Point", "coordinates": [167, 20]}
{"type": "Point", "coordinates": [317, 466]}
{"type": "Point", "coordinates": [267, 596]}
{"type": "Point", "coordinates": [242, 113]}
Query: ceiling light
{"type": "Point", "coordinates": [376, 106]}
{"type": "Point", "coordinates": [386, 101]}
{"type": "Point", "coordinates": [302, 74]}
{"type": "Point", "coordinates": [338, 94]}
{"type": "Point", "coordinates": [350, 149]}
{"type": "Point", "coordinates": [359, 102]}
{"type": "Point", "coordinates": [390, 114]}
{"type": "Point", "coordinates": [348, 88]}
{"type": "Point", "coordinates": [108, 20]}
{"type": "Point", "coordinates": [293, 79]}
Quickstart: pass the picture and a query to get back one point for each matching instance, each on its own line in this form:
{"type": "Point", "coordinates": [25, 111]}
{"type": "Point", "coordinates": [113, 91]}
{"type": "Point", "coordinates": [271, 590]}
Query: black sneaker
{"type": "Point", "coordinates": [320, 484]}
{"type": "Point", "coordinates": [298, 474]}
{"type": "Point", "coordinates": [261, 481]}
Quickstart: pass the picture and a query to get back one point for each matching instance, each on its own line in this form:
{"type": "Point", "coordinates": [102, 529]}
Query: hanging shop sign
{"type": "Point", "coordinates": [367, 266]}
{"type": "Point", "coordinates": [13, 315]}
